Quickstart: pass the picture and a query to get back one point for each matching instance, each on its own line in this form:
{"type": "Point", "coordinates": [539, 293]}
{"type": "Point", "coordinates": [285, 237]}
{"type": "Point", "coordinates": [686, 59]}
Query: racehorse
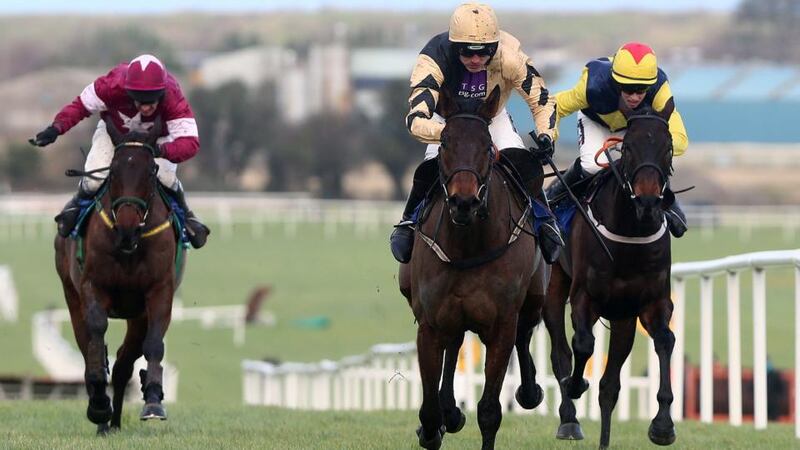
{"type": "Point", "coordinates": [123, 268]}
{"type": "Point", "coordinates": [627, 210]}
{"type": "Point", "coordinates": [473, 276]}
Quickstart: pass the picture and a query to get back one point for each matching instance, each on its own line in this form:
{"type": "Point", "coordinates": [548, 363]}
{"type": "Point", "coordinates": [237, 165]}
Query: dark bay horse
{"type": "Point", "coordinates": [126, 271]}
{"type": "Point", "coordinates": [628, 210]}
{"type": "Point", "coordinates": [473, 276]}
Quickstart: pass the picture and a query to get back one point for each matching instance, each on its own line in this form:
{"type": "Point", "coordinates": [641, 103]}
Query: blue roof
{"type": "Point", "coordinates": [762, 83]}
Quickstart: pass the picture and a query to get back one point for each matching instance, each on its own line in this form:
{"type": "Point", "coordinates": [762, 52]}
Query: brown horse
{"type": "Point", "coordinates": [628, 210]}
{"type": "Point", "coordinates": [127, 271]}
{"type": "Point", "coordinates": [473, 276]}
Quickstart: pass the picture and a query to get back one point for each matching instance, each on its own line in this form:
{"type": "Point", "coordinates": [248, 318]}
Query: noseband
{"type": "Point", "coordinates": [483, 179]}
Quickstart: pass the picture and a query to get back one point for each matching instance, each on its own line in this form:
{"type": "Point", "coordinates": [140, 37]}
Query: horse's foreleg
{"type": "Point", "coordinates": [127, 355]}
{"type": "Point", "coordinates": [498, 351]}
{"type": "Point", "coordinates": [560, 353]}
{"type": "Point", "coordinates": [655, 319]}
{"type": "Point", "coordinates": [583, 318]}
{"type": "Point", "coordinates": [96, 354]}
{"type": "Point", "coordinates": [621, 342]}
{"type": "Point", "coordinates": [159, 309]}
{"type": "Point", "coordinates": [429, 353]}
{"type": "Point", "coordinates": [529, 394]}
{"type": "Point", "coordinates": [453, 418]}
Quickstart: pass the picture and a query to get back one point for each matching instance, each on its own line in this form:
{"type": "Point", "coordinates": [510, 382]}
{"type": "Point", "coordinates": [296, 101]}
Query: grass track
{"type": "Point", "coordinates": [62, 425]}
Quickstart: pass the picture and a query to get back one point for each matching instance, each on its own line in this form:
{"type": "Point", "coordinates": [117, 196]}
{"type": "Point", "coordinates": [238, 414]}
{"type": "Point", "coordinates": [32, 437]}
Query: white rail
{"type": "Point", "coordinates": [387, 377]}
{"type": "Point", "coordinates": [9, 299]}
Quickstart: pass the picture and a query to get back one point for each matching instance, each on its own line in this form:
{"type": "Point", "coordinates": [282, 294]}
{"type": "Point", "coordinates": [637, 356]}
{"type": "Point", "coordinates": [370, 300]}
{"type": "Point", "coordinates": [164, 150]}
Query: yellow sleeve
{"type": "Point", "coordinates": [426, 80]}
{"type": "Point", "coordinates": [530, 85]}
{"type": "Point", "coordinates": [574, 99]}
{"type": "Point", "coordinates": [680, 140]}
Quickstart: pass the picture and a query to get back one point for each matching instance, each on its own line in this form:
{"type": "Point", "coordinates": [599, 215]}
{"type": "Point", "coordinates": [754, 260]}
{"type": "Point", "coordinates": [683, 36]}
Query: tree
{"type": "Point", "coordinates": [389, 140]}
{"type": "Point", "coordinates": [21, 166]}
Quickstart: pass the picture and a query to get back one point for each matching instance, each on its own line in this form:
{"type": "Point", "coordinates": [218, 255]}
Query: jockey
{"type": "Point", "coordinates": [631, 76]}
{"type": "Point", "coordinates": [132, 95]}
{"type": "Point", "coordinates": [469, 60]}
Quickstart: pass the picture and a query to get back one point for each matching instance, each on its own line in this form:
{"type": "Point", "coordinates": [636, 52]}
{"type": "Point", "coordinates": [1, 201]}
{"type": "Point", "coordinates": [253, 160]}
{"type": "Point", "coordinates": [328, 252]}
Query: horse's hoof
{"type": "Point", "coordinates": [529, 401]}
{"type": "Point", "coordinates": [574, 392]}
{"type": "Point", "coordinates": [661, 436]}
{"type": "Point", "coordinates": [570, 432]}
{"type": "Point", "coordinates": [99, 414]}
{"type": "Point", "coordinates": [433, 443]}
{"type": "Point", "coordinates": [103, 429]}
{"type": "Point", "coordinates": [153, 411]}
{"type": "Point", "coordinates": [455, 427]}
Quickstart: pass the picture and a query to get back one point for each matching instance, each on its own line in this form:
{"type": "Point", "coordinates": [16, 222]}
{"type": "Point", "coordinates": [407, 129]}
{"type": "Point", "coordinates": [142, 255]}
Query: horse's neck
{"type": "Point", "coordinates": [618, 212]}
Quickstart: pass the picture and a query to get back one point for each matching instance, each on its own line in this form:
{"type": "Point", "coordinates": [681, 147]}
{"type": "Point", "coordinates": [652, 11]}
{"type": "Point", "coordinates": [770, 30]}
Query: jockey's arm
{"type": "Point", "coordinates": [426, 81]}
{"type": "Point", "coordinates": [182, 141]}
{"type": "Point", "coordinates": [572, 100]}
{"type": "Point", "coordinates": [680, 140]}
{"type": "Point", "coordinates": [530, 85]}
{"type": "Point", "coordinates": [84, 105]}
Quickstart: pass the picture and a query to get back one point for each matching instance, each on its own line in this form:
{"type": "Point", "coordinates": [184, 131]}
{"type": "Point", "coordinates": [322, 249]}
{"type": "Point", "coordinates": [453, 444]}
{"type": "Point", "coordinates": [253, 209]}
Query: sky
{"type": "Point", "coordinates": [234, 6]}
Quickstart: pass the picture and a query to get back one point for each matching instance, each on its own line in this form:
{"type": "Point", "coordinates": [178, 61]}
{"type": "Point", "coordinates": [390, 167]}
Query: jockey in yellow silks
{"type": "Point", "coordinates": [632, 77]}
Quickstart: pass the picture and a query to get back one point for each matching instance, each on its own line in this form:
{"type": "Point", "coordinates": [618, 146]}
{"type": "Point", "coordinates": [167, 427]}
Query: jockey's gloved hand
{"type": "Point", "coordinates": [544, 147]}
{"type": "Point", "coordinates": [45, 137]}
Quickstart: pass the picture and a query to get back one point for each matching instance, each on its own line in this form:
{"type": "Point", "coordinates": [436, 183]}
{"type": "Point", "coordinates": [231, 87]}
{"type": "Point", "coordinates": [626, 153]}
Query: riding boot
{"type": "Point", "coordinates": [197, 231]}
{"type": "Point", "coordinates": [676, 219]}
{"type": "Point", "coordinates": [572, 177]}
{"type": "Point", "coordinates": [401, 241]}
{"type": "Point", "coordinates": [547, 230]}
{"type": "Point", "coordinates": [68, 217]}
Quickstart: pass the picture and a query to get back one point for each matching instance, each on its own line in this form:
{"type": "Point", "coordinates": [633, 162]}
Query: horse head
{"type": "Point", "coordinates": [465, 155]}
{"type": "Point", "coordinates": [647, 158]}
{"type": "Point", "coordinates": [132, 183]}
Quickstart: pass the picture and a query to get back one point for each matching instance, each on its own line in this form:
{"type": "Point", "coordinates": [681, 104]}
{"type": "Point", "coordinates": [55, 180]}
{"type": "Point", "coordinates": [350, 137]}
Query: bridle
{"type": "Point", "coordinates": [483, 179]}
{"type": "Point", "coordinates": [624, 178]}
{"type": "Point", "coordinates": [142, 205]}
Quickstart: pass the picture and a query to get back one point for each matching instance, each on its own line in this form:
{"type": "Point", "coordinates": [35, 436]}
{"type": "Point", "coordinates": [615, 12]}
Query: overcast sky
{"type": "Point", "coordinates": [168, 6]}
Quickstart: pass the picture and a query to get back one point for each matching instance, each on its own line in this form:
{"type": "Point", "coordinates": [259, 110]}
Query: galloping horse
{"type": "Point", "coordinates": [124, 268]}
{"type": "Point", "coordinates": [627, 209]}
{"type": "Point", "coordinates": [473, 276]}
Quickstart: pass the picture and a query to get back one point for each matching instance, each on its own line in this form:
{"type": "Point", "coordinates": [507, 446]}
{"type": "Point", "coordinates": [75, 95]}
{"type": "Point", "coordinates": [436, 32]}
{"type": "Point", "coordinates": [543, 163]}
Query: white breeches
{"type": "Point", "coordinates": [101, 154]}
{"type": "Point", "coordinates": [591, 137]}
{"type": "Point", "coordinates": [504, 135]}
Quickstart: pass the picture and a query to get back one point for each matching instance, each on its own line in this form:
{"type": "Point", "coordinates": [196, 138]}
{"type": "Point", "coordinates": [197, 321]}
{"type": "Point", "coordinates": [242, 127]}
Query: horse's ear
{"type": "Point", "coordinates": [155, 131]}
{"type": "Point", "coordinates": [668, 109]}
{"type": "Point", "coordinates": [113, 132]}
{"type": "Point", "coordinates": [488, 108]}
{"type": "Point", "coordinates": [447, 106]}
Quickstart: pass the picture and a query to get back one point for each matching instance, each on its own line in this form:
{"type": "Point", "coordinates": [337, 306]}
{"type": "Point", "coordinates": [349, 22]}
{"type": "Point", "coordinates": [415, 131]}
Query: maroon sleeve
{"type": "Point", "coordinates": [181, 149]}
{"type": "Point", "coordinates": [70, 115]}
{"type": "Point", "coordinates": [182, 141]}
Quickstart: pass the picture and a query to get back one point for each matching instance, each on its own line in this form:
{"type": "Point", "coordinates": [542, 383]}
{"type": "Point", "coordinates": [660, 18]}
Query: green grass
{"type": "Point", "coordinates": [349, 279]}
{"type": "Point", "coordinates": [62, 425]}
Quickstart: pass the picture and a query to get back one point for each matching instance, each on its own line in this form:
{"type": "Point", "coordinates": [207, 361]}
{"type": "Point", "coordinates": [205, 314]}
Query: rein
{"type": "Point", "coordinates": [469, 263]}
{"type": "Point", "coordinates": [622, 177]}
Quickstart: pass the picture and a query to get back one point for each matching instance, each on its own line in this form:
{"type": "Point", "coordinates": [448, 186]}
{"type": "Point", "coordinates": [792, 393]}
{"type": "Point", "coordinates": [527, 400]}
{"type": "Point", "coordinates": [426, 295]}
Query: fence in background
{"type": "Point", "coordinates": [388, 376]}
{"type": "Point", "coordinates": [30, 216]}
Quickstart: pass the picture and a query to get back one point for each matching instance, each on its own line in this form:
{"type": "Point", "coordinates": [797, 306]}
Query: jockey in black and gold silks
{"type": "Point", "coordinates": [471, 59]}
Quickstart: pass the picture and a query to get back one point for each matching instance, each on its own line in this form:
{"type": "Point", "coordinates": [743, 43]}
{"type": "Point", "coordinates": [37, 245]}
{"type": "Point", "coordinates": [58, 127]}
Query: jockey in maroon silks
{"type": "Point", "coordinates": [131, 96]}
